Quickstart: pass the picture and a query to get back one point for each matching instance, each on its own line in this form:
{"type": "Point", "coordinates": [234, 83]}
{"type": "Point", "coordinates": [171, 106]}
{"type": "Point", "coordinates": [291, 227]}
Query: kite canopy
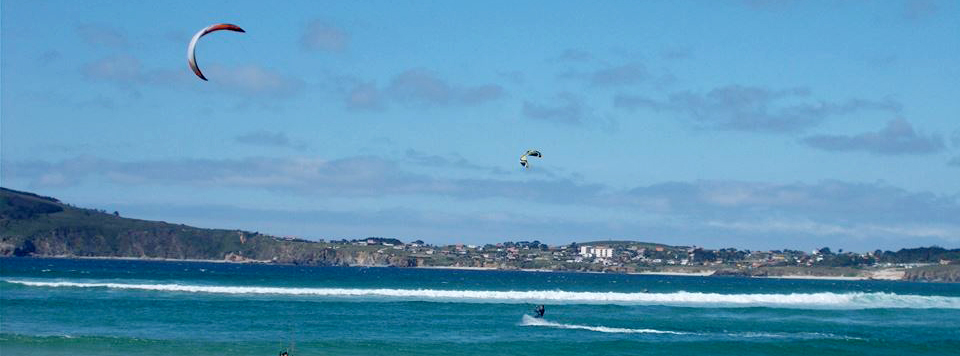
{"type": "Point", "coordinates": [191, 50]}
{"type": "Point", "coordinates": [531, 153]}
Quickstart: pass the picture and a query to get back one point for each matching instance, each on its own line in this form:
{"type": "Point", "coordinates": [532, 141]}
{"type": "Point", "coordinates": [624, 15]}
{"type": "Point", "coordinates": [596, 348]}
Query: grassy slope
{"type": "Point", "coordinates": [628, 243]}
{"type": "Point", "coordinates": [56, 228]}
{"type": "Point", "coordinates": [41, 226]}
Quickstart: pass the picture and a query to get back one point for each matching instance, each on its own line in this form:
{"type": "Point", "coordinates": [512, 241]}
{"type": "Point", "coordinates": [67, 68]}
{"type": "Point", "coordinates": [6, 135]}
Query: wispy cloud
{"type": "Point", "coordinates": [268, 139]}
{"type": "Point", "coordinates": [676, 54]}
{"type": "Point", "coordinates": [361, 176]}
{"type": "Point", "coordinates": [834, 230]}
{"type": "Point", "coordinates": [120, 69]}
{"type": "Point", "coordinates": [515, 77]}
{"type": "Point", "coordinates": [955, 161]}
{"type": "Point", "coordinates": [832, 202]}
{"type": "Point", "coordinates": [48, 57]}
{"type": "Point", "coordinates": [567, 108]}
{"type": "Point", "coordinates": [423, 87]}
{"type": "Point", "coordinates": [446, 161]}
{"type": "Point", "coordinates": [446, 226]}
{"type": "Point", "coordinates": [896, 138]}
{"type": "Point", "coordinates": [406, 224]}
{"type": "Point", "coordinates": [101, 36]}
{"type": "Point", "coordinates": [611, 76]}
{"type": "Point", "coordinates": [833, 210]}
{"type": "Point", "coordinates": [371, 176]}
{"type": "Point", "coordinates": [627, 74]}
{"type": "Point", "coordinates": [254, 81]}
{"type": "Point", "coordinates": [573, 55]}
{"type": "Point", "coordinates": [769, 5]}
{"type": "Point", "coordinates": [416, 88]}
{"type": "Point", "coordinates": [249, 81]}
{"type": "Point", "coordinates": [757, 109]}
{"type": "Point", "coordinates": [916, 10]}
{"type": "Point", "coordinates": [322, 36]}
{"type": "Point", "coordinates": [365, 96]}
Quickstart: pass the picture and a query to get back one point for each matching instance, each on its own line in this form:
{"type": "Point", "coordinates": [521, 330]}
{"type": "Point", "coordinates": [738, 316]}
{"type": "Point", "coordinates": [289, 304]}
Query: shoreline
{"type": "Point", "coordinates": [821, 278]}
{"type": "Point", "coordinates": [880, 275]}
{"type": "Point", "coordinates": [685, 274]}
{"type": "Point", "coordinates": [156, 259]}
{"type": "Point", "coordinates": [461, 268]}
{"type": "Point", "coordinates": [884, 274]}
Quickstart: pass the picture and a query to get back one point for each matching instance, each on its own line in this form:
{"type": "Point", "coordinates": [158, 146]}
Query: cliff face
{"type": "Point", "coordinates": [173, 246]}
{"type": "Point", "coordinates": [328, 256]}
{"type": "Point", "coordinates": [790, 271]}
{"type": "Point", "coordinates": [945, 273]}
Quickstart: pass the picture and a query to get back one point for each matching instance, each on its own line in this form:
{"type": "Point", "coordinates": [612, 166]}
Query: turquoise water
{"type": "Point", "coordinates": [111, 307]}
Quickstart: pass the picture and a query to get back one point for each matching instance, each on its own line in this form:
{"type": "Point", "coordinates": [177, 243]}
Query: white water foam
{"type": "Point", "coordinates": [531, 321]}
{"type": "Point", "coordinates": [800, 335]}
{"type": "Point", "coordinates": [823, 300]}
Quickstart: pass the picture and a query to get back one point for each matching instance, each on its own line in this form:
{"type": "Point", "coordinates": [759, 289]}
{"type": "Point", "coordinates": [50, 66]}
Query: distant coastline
{"type": "Point", "coordinates": [32, 225]}
{"type": "Point", "coordinates": [884, 274]}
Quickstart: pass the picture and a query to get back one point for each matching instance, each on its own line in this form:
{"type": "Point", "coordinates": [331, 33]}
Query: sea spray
{"type": "Point", "coordinates": [541, 322]}
{"type": "Point", "coordinates": [531, 321]}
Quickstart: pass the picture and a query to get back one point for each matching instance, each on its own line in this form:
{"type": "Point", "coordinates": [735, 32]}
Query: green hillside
{"type": "Point", "coordinates": [628, 243]}
{"type": "Point", "coordinates": [34, 225]}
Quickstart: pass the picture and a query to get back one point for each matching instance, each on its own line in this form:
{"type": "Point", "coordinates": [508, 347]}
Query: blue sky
{"type": "Point", "coordinates": [751, 124]}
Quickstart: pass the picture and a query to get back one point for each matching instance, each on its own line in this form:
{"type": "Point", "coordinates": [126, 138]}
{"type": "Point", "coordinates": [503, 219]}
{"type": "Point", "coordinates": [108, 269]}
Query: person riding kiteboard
{"type": "Point", "coordinates": [539, 310]}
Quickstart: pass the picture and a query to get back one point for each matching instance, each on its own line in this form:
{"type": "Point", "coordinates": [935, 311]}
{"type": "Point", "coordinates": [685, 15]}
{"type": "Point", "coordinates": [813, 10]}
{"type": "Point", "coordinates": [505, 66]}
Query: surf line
{"type": "Point", "coordinates": [819, 300]}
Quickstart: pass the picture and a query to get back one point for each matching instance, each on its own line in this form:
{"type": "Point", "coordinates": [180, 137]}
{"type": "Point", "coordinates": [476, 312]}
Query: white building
{"type": "Point", "coordinates": [599, 251]}
{"type": "Point", "coordinates": [603, 252]}
{"type": "Point", "coordinates": [585, 250]}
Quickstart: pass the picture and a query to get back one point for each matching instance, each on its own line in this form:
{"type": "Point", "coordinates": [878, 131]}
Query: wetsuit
{"type": "Point", "coordinates": [540, 311]}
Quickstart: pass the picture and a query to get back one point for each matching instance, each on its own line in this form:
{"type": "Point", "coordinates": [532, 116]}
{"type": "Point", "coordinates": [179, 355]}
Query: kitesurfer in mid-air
{"type": "Point", "coordinates": [531, 153]}
{"type": "Point", "coordinates": [540, 310]}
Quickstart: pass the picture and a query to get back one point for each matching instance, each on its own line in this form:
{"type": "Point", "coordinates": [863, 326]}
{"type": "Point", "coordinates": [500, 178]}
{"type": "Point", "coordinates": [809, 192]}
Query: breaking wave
{"type": "Point", "coordinates": [822, 300]}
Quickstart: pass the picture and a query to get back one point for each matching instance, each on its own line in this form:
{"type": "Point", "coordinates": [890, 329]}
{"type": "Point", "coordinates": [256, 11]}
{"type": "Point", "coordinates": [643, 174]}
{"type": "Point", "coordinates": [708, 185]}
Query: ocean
{"type": "Point", "coordinates": [132, 307]}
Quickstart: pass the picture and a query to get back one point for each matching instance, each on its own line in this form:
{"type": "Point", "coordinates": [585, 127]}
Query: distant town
{"type": "Point", "coordinates": [631, 256]}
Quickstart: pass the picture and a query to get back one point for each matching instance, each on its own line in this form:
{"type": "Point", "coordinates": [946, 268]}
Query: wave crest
{"type": "Point", "coordinates": [822, 300]}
